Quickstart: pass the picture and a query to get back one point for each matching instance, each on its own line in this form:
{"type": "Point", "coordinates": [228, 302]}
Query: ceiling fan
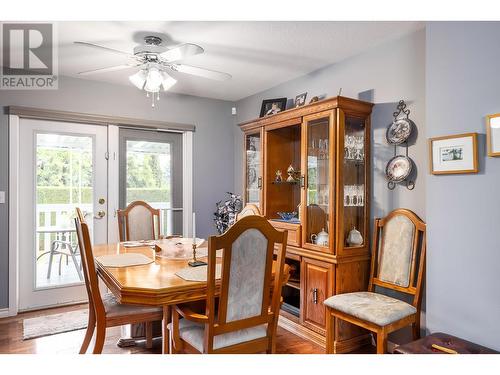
{"type": "Point", "coordinates": [154, 61]}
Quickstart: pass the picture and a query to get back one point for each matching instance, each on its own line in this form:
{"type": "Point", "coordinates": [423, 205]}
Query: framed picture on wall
{"type": "Point", "coordinates": [453, 154]}
{"type": "Point", "coordinates": [493, 134]}
{"type": "Point", "coordinates": [272, 106]}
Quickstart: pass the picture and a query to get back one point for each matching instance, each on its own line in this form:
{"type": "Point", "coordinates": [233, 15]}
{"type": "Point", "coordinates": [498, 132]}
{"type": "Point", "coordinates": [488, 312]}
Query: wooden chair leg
{"type": "Point", "coordinates": [416, 329]}
{"type": "Point", "coordinates": [381, 342]}
{"type": "Point", "coordinates": [175, 341]}
{"type": "Point", "coordinates": [271, 348]}
{"type": "Point", "coordinates": [330, 332]}
{"type": "Point", "coordinates": [149, 335]}
{"type": "Point", "coordinates": [99, 338]}
{"type": "Point", "coordinates": [89, 332]}
{"type": "Point", "coordinates": [272, 330]}
{"type": "Point", "coordinates": [165, 331]}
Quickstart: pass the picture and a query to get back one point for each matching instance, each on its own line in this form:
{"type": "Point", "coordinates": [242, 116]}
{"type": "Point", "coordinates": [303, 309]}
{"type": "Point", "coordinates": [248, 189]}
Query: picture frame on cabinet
{"type": "Point", "coordinates": [272, 106]}
{"type": "Point", "coordinates": [300, 100]}
{"type": "Point", "coordinates": [493, 134]}
{"type": "Point", "coordinates": [453, 154]}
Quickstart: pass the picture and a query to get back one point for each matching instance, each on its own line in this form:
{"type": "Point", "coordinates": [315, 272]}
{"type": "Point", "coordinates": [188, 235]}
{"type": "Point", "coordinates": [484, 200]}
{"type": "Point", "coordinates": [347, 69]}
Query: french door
{"type": "Point", "coordinates": [150, 169]}
{"type": "Point", "coordinates": [62, 166]}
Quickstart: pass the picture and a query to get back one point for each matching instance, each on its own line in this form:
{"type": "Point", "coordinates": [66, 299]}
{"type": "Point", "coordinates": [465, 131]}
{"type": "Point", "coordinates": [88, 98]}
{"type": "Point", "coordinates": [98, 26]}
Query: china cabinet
{"type": "Point", "coordinates": [308, 170]}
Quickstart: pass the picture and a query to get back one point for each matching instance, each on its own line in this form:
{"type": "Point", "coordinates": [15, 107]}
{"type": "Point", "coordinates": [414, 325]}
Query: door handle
{"type": "Point", "coordinates": [303, 181]}
{"type": "Point", "coordinates": [100, 214]}
{"type": "Point", "coordinates": [315, 295]}
{"type": "Point", "coordinates": [259, 182]}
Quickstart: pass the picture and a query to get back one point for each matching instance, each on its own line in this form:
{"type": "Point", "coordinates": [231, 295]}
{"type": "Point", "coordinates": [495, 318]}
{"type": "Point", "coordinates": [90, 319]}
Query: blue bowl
{"type": "Point", "coordinates": [287, 215]}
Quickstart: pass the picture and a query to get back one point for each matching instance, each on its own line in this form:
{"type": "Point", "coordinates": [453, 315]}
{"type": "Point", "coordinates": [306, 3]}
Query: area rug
{"type": "Point", "coordinates": [54, 324]}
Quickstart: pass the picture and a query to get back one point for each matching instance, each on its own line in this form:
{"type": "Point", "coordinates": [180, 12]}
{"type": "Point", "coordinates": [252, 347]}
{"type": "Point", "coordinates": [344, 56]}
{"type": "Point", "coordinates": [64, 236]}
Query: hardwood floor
{"type": "Point", "coordinates": [11, 339]}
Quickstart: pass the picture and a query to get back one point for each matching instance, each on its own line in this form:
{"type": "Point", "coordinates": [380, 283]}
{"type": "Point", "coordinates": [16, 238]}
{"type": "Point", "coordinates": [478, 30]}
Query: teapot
{"type": "Point", "coordinates": [354, 238]}
{"type": "Point", "coordinates": [321, 238]}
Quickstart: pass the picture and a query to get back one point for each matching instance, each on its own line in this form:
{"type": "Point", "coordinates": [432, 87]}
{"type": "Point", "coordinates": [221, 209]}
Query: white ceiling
{"type": "Point", "coordinates": [259, 55]}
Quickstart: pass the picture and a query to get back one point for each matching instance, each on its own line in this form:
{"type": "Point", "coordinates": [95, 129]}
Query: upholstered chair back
{"type": "Point", "coordinates": [249, 209]}
{"type": "Point", "coordinates": [139, 221]}
{"type": "Point", "coordinates": [396, 251]}
{"type": "Point", "coordinates": [246, 277]}
{"type": "Point", "coordinates": [399, 252]}
{"type": "Point", "coordinates": [88, 264]}
{"type": "Point", "coordinates": [247, 271]}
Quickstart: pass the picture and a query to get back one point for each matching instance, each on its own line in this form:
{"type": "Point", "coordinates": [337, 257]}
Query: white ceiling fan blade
{"type": "Point", "coordinates": [107, 69]}
{"type": "Point", "coordinates": [201, 72]}
{"type": "Point", "coordinates": [181, 52]}
{"type": "Point", "coordinates": [92, 45]}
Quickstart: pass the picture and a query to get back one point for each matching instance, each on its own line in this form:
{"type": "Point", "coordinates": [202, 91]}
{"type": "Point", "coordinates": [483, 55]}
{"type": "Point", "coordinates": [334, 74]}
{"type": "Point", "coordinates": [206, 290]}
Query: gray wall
{"type": "Point", "coordinates": [213, 140]}
{"type": "Point", "coordinates": [463, 211]}
{"type": "Point", "coordinates": [382, 75]}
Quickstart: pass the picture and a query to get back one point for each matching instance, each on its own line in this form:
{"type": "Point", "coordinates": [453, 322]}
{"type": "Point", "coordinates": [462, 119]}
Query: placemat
{"type": "Point", "coordinates": [123, 260]}
{"type": "Point", "coordinates": [140, 243]}
{"type": "Point", "coordinates": [197, 273]}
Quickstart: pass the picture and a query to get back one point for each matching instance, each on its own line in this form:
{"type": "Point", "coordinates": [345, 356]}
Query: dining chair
{"type": "Point", "coordinates": [139, 221]}
{"type": "Point", "coordinates": [243, 316]}
{"type": "Point", "coordinates": [249, 209]}
{"type": "Point", "coordinates": [105, 311]}
{"type": "Point", "coordinates": [398, 262]}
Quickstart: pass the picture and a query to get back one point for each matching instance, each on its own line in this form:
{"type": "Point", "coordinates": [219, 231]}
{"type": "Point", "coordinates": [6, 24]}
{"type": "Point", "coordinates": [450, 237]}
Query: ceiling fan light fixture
{"type": "Point", "coordinates": [138, 79]}
{"type": "Point", "coordinates": [167, 82]}
{"type": "Point", "coordinates": [154, 80]}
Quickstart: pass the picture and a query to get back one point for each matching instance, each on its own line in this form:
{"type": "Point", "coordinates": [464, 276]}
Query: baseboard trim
{"type": "Point", "coordinates": [301, 331]}
{"type": "Point", "coordinates": [4, 313]}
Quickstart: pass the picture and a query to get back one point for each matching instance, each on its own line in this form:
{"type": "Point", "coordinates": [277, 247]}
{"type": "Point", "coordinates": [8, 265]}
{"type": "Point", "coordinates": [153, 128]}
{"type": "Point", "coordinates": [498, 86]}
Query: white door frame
{"type": "Point", "coordinates": [14, 123]}
{"type": "Point", "coordinates": [13, 213]}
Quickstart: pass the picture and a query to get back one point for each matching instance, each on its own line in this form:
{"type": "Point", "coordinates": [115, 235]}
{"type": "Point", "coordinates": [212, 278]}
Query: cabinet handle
{"type": "Point", "coordinates": [303, 181]}
{"type": "Point", "coordinates": [315, 295]}
{"type": "Point", "coordinates": [259, 182]}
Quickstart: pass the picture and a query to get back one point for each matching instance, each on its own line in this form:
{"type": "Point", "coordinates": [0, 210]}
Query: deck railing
{"type": "Point", "coordinates": [55, 221]}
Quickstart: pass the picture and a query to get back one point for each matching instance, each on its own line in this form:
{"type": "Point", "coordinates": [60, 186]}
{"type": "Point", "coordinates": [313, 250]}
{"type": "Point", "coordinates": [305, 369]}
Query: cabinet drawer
{"type": "Point", "coordinates": [317, 285]}
{"type": "Point", "coordinates": [294, 231]}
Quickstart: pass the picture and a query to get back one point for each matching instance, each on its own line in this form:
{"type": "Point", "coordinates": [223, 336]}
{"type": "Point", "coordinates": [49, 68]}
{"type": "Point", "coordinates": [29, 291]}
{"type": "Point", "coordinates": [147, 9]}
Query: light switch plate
{"type": "Point", "coordinates": [2, 196]}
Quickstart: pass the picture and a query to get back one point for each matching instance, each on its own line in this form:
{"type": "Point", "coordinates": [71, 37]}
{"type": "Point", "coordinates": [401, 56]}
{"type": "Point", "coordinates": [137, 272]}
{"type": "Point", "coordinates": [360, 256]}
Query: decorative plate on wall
{"type": "Point", "coordinates": [399, 131]}
{"type": "Point", "coordinates": [398, 169]}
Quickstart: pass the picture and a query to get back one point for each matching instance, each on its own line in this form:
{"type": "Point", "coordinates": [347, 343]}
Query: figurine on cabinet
{"type": "Point", "coordinates": [291, 174]}
{"type": "Point", "coordinates": [278, 177]}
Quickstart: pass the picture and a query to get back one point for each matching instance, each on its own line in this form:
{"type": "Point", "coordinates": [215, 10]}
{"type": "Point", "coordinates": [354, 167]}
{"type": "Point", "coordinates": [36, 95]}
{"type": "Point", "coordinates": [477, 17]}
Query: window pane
{"type": "Point", "coordinates": [149, 177]}
{"type": "Point", "coordinates": [64, 180]}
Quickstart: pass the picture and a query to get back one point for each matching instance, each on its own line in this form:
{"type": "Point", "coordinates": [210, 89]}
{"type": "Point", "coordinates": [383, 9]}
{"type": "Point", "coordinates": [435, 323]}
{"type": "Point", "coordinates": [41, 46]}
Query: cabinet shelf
{"type": "Point", "coordinates": [361, 161]}
{"type": "Point", "coordinates": [293, 284]}
{"type": "Point", "coordinates": [295, 182]}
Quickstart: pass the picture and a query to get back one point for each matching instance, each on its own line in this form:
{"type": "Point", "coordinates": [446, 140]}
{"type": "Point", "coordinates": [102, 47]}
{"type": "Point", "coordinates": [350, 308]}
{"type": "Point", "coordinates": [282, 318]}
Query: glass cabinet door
{"type": "Point", "coordinates": [317, 131]}
{"type": "Point", "coordinates": [354, 182]}
{"type": "Point", "coordinates": [253, 168]}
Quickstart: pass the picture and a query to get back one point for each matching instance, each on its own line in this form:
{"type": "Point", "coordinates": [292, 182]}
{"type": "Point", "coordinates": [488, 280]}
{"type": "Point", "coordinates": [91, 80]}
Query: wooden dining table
{"type": "Point", "coordinates": [154, 284]}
